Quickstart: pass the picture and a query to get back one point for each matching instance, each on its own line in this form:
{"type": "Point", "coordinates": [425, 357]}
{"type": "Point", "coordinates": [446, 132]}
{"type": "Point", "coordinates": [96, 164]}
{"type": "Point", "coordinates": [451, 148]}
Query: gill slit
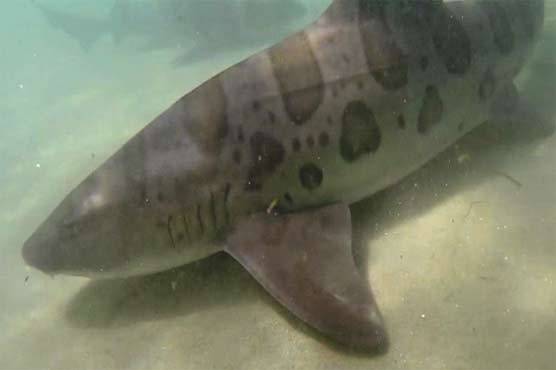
{"type": "Point", "coordinates": [227, 189]}
{"type": "Point", "coordinates": [212, 211]}
{"type": "Point", "coordinates": [169, 228]}
{"type": "Point", "coordinates": [185, 224]}
{"type": "Point", "coordinates": [200, 220]}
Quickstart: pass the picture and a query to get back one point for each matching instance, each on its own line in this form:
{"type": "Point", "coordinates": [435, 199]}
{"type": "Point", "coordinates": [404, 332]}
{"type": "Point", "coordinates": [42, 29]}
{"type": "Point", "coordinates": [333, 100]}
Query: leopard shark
{"type": "Point", "coordinates": [263, 160]}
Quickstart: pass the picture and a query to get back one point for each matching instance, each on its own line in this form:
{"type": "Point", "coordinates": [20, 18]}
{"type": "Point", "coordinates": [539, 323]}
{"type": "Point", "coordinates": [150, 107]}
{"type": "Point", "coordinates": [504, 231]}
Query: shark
{"type": "Point", "coordinates": [262, 160]}
{"type": "Point", "coordinates": [200, 28]}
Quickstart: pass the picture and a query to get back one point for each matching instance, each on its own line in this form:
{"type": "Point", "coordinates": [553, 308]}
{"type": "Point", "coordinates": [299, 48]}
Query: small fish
{"type": "Point", "coordinates": [262, 160]}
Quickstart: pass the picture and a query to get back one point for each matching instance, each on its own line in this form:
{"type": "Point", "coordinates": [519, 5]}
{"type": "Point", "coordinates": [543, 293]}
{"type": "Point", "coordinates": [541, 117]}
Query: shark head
{"type": "Point", "coordinates": [93, 231]}
{"type": "Point", "coordinates": [103, 230]}
{"type": "Point", "coordinates": [166, 198]}
{"type": "Point", "coordinates": [139, 210]}
{"type": "Point", "coordinates": [68, 241]}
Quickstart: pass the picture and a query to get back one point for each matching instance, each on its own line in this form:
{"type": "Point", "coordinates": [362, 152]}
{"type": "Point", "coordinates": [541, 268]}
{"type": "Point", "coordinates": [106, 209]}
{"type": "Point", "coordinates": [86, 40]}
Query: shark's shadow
{"type": "Point", "coordinates": [220, 281]}
{"type": "Point", "coordinates": [217, 280]}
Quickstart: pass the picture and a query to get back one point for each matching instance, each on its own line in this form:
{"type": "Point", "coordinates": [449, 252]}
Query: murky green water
{"type": "Point", "coordinates": [462, 259]}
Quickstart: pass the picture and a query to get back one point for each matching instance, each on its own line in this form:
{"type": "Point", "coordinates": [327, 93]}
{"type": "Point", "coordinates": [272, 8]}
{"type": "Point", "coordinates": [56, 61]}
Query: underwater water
{"type": "Point", "coordinates": [461, 258]}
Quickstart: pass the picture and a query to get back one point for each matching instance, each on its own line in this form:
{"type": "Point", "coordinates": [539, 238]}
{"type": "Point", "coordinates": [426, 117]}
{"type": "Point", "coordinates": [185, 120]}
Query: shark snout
{"type": "Point", "coordinates": [39, 251]}
{"type": "Point", "coordinates": [50, 248]}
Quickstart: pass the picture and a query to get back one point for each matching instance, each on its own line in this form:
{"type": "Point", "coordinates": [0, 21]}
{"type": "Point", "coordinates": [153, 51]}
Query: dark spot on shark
{"type": "Point", "coordinates": [418, 13]}
{"type": "Point", "coordinates": [267, 154]}
{"type": "Point", "coordinates": [345, 58]}
{"type": "Point", "coordinates": [169, 230]}
{"type": "Point", "coordinates": [256, 105]}
{"type": "Point", "coordinates": [392, 78]}
{"type": "Point", "coordinates": [236, 155]}
{"type": "Point", "coordinates": [296, 145]}
{"type": "Point", "coordinates": [360, 133]}
{"type": "Point", "coordinates": [373, 11]}
{"type": "Point", "coordinates": [310, 176]}
{"type": "Point", "coordinates": [288, 198]}
{"type": "Point", "coordinates": [180, 236]}
{"type": "Point", "coordinates": [177, 144]}
{"type": "Point", "coordinates": [424, 63]}
{"type": "Point", "coordinates": [334, 91]}
{"type": "Point", "coordinates": [160, 197]}
{"type": "Point", "coordinates": [180, 189]}
{"type": "Point", "coordinates": [385, 60]}
{"type": "Point", "coordinates": [200, 219]}
{"type": "Point", "coordinates": [299, 77]}
{"type": "Point", "coordinates": [487, 86]}
{"type": "Point", "coordinates": [401, 121]}
{"type": "Point", "coordinates": [271, 116]}
{"type": "Point", "coordinates": [431, 111]}
{"type": "Point", "coordinates": [324, 139]}
{"type": "Point", "coordinates": [227, 189]}
{"type": "Point", "coordinates": [212, 210]}
{"type": "Point", "coordinates": [240, 136]}
{"type": "Point", "coordinates": [310, 141]}
{"type": "Point", "coordinates": [329, 120]}
{"type": "Point", "coordinates": [451, 41]}
{"type": "Point", "coordinates": [185, 222]}
{"type": "Point", "coordinates": [222, 131]}
{"type": "Point", "coordinates": [499, 25]}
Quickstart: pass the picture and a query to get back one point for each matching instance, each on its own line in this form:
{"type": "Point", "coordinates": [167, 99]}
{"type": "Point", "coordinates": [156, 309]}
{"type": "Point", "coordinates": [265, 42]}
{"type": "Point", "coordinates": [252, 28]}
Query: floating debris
{"type": "Point", "coordinates": [272, 206]}
{"type": "Point", "coordinates": [510, 178]}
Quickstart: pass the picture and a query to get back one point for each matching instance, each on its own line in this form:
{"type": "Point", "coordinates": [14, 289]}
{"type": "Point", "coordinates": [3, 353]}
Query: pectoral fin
{"type": "Point", "coordinates": [305, 261]}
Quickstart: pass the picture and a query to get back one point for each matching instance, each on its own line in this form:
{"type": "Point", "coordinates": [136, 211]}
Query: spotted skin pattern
{"type": "Point", "coordinates": [316, 119]}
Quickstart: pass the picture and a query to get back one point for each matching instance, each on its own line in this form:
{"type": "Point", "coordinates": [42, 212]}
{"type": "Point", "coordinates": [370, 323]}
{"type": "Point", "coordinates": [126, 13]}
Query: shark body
{"type": "Point", "coordinates": [201, 28]}
{"type": "Point", "coordinates": [262, 160]}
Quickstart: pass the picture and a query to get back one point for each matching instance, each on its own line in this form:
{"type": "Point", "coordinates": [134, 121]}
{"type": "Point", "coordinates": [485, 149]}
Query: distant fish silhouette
{"type": "Point", "coordinates": [214, 26]}
{"type": "Point", "coordinates": [85, 30]}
